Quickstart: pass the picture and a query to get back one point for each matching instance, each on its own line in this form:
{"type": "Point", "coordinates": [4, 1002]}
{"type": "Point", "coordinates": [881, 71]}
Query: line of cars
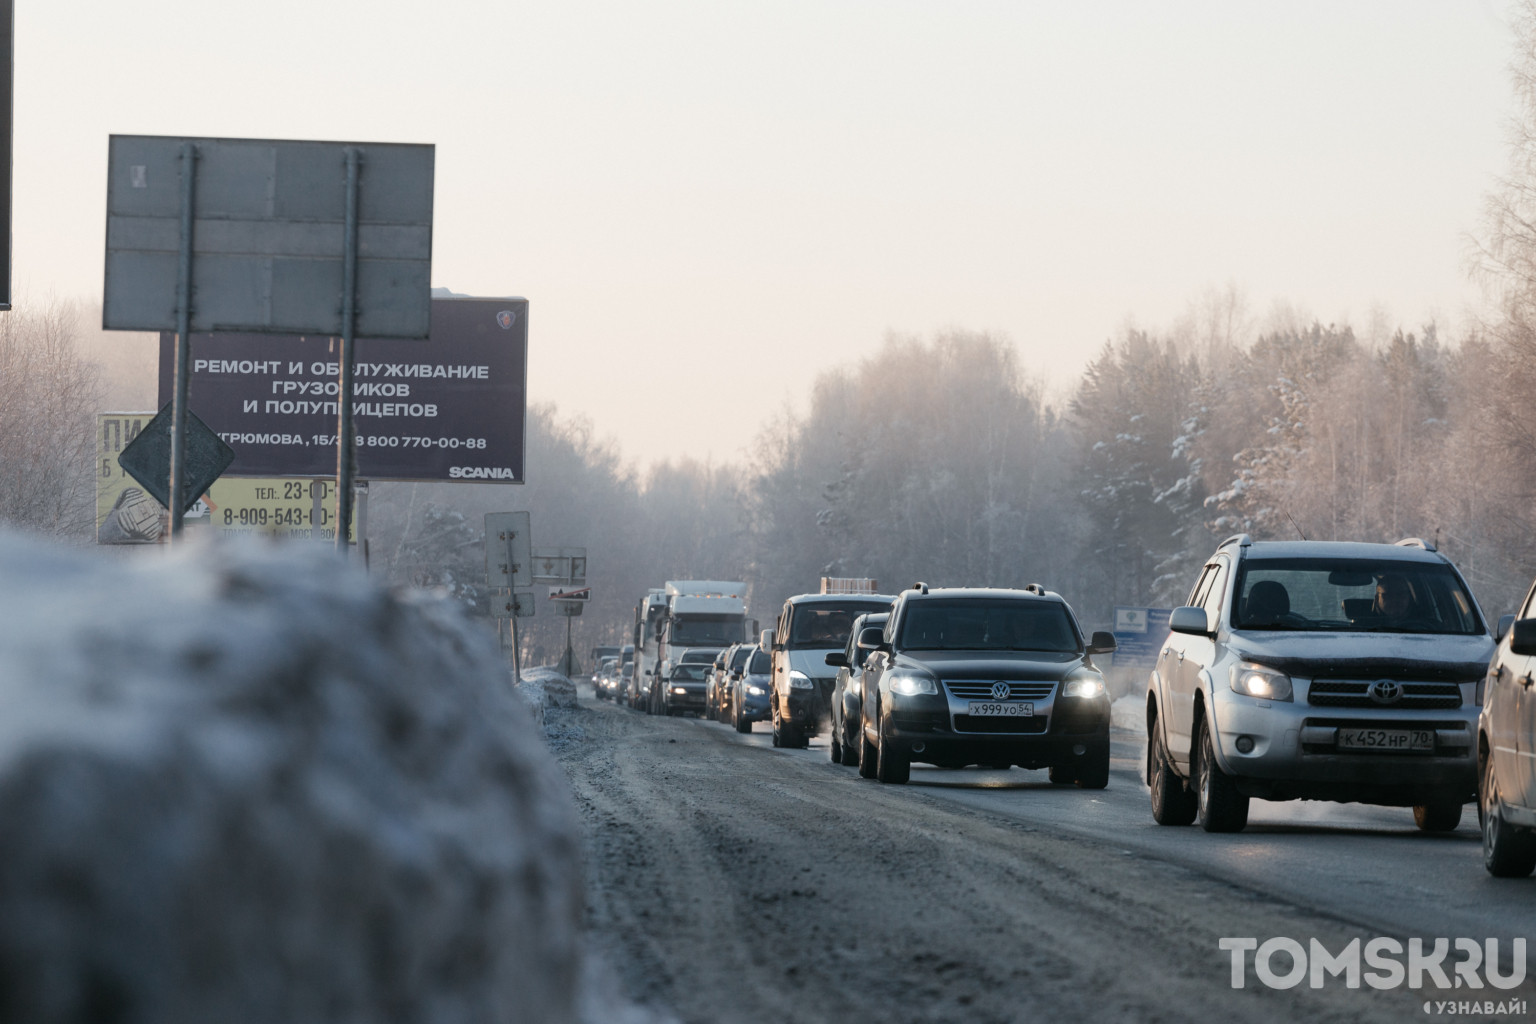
{"type": "Point", "coordinates": [1348, 672]}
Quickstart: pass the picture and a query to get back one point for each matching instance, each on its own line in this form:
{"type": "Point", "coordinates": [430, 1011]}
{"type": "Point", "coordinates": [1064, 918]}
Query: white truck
{"type": "Point", "coordinates": [649, 614]}
{"type": "Point", "coordinates": [698, 614]}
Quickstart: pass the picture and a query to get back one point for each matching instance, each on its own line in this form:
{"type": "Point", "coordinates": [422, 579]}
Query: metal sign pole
{"type": "Point", "coordinates": [344, 439]}
{"type": "Point", "coordinates": [183, 341]}
{"type": "Point", "coordinates": [517, 671]}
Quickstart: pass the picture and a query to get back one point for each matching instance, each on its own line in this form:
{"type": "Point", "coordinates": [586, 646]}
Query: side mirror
{"type": "Point", "coordinates": [1189, 620]}
{"type": "Point", "coordinates": [765, 640]}
{"type": "Point", "coordinates": [837, 659]}
{"type": "Point", "coordinates": [1103, 642]}
{"type": "Point", "coordinates": [871, 638]}
{"type": "Point", "coordinates": [1522, 636]}
{"type": "Point", "coordinates": [1505, 621]}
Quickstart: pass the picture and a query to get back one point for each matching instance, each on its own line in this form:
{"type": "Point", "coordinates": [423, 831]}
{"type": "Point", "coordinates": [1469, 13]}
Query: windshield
{"type": "Point", "coordinates": [978, 624]}
{"type": "Point", "coordinates": [1353, 594]}
{"type": "Point", "coordinates": [739, 658]}
{"type": "Point", "coordinates": [760, 665]}
{"type": "Point", "coordinates": [705, 629]}
{"type": "Point", "coordinates": [704, 654]}
{"type": "Point", "coordinates": [689, 673]}
{"type": "Point", "coordinates": [827, 623]}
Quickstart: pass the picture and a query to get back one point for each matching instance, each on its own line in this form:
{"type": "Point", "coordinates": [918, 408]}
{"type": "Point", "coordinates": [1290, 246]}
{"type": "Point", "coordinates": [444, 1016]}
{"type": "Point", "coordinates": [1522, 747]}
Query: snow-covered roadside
{"type": "Point", "coordinates": [1129, 713]}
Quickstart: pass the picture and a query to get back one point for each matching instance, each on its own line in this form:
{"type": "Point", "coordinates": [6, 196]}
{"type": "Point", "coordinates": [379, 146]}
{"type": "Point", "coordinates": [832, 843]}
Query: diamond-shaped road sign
{"type": "Point", "coordinates": [147, 458]}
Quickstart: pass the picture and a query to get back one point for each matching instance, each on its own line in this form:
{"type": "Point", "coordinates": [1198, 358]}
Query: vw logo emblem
{"type": "Point", "coordinates": [1386, 691]}
{"type": "Point", "coordinates": [1000, 690]}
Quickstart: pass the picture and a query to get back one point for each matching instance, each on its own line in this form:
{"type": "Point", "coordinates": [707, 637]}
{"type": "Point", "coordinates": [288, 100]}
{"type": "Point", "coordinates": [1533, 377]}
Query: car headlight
{"type": "Point", "coordinates": [910, 684]}
{"type": "Point", "coordinates": [800, 681]}
{"type": "Point", "coordinates": [1260, 681]}
{"type": "Point", "coordinates": [679, 689]}
{"type": "Point", "coordinates": [1083, 682]}
{"type": "Point", "coordinates": [756, 691]}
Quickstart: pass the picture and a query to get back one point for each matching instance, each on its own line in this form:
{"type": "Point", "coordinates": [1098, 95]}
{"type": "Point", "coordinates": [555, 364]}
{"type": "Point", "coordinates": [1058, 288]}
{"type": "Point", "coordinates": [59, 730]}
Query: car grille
{"type": "Point", "coordinates": [999, 723]}
{"type": "Point", "coordinates": [1352, 693]}
{"type": "Point", "coordinates": [1018, 689]}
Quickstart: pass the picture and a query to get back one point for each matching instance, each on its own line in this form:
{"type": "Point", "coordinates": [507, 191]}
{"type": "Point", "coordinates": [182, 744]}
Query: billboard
{"type": "Point", "coordinates": [125, 514]}
{"type": "Point", "coordinates": [452, 408]}
{"type": "Point", "coordinates": [1139, 635]}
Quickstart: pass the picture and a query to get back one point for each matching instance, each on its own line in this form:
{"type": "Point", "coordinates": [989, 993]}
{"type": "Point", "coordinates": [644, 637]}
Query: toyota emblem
{"type": "Point", "coordinates": [1386, 691]}
{"type": "Point", "coordinates": [1000, 690]}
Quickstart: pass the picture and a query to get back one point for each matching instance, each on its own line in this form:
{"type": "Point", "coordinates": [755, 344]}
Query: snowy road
{"type": "Point", "coordinates": [731, 881]}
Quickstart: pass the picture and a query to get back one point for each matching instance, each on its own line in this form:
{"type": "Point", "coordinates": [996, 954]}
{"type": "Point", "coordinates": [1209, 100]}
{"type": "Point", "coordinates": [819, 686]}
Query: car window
{"type": "Point", "coordinates": [740, 657]}
{"type": "Point", "coordinates": [1356, 595]}
{"type": "Point", "coordinates": [1215, 591]}
{"type": "Point", "coordinates": [1202, 587]}
{"type": "Point", "coordinates": [761, 663]}
{"type": "Point", "coordinates": [826, 623]}
{"type": "Point", "coordinates": [981, 624]}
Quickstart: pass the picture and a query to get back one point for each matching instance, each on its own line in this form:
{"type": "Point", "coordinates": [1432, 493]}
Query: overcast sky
{"type": "Point", "coordinates": [708, 203]}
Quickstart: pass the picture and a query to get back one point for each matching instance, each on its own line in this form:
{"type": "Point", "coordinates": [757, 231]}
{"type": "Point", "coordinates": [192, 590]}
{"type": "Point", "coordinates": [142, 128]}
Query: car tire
{"type": "Point", "coordinates": [741, 724]}
{"type": "Point", "coordinates": [835, 748]}
{"type": "Point", "coordinates": [1438, 815]}
{"type": "Point", "coordinates": [1093, 770]}
{"type": "Point", "coordinates": [868, 757]}
{"type": "Point", "coordinates": [1172, 803]}
{"type": "Point", "coordinates": [850, 754]}
{"type": "Point", "coordinates": [891, 765]}
{"type": "Point", "coordinates": [1221, 808]}
{"type": "Point", "coordinates": [1508, 852]}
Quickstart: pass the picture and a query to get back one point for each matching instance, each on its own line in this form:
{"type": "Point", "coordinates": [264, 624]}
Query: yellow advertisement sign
{"type": "Point", "coordinates": [279, 507]}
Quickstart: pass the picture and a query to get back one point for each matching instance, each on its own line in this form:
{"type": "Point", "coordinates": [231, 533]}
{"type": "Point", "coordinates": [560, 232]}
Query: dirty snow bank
{"type": "Point", "coordinates": [241, 783]}
{"type": "Point", "coordinates": [552, 697]}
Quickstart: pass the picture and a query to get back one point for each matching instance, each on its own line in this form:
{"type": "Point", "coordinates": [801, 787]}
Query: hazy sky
{"type": "Point", "coordinates": [708, 203]}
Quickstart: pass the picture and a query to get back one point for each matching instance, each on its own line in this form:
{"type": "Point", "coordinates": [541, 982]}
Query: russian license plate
{"type": "Point", "coordinates": [1386, 739]}
{"type": "Point", "coordinates": [1001, 709]}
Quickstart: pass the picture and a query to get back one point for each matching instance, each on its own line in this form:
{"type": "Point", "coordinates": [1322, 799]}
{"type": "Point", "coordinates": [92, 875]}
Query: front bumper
{"type": "Point", "coordinates": [1294, 752]}
{"type": "Point", "coordinates": [806, 709]}
{"type": "Point", "coordinates": [692, 699]}
{"type": "Point", "coordinates": [937, 729]}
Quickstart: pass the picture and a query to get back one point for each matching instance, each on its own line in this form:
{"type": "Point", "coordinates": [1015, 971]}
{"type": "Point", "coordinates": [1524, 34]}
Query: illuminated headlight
{"type": "Point", "coordinates": [679, 689]}
{"type": "Point", "coordinates": [1083, 683]}
{"type": "Point", "coordinates": [1259, 681]}
{"type": "Point", "coordinates": [910, 684]}
{"type": "Point", "coordinates": [756, 691]}
{"type": "Point", "coordinates": [800, 681]}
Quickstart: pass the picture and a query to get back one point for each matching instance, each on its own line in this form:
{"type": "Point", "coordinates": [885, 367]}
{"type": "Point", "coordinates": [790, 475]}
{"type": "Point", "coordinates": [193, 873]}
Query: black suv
{"type": "Point", "coordinates": [961, 677]}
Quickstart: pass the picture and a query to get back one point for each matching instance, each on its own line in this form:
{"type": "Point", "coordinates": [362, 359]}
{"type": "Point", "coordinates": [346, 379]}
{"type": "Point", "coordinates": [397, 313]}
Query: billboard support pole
{"type": "Point", "coordinates": [183, 340]}
{"type": "Point", "coordinates": [344, 446]}
{"type": "Point", "coordinates": [517, 673]}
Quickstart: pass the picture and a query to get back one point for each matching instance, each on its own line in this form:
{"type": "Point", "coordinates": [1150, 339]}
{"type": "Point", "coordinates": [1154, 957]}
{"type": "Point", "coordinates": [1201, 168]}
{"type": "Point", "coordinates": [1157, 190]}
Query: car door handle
{"type": "Point", "coordinates": [1525, 680]}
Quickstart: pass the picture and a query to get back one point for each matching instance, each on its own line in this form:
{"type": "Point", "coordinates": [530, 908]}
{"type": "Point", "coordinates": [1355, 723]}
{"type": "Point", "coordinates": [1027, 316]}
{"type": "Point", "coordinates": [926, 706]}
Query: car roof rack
{"type": "Point", "coordinates": [1034, 588]}
{"type": "Point", "coordinates": [1242, 540]}
{"type": "Point", "coordinates": [1415, 542]}
{"type": "Point", "coordinates": [921, 588]}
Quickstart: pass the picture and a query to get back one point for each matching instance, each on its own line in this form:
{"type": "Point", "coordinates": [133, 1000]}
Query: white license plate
{"type": "Point", "coordinates": [1001, 709]}
{"type": "Point", "coordinates": [1386, 739]}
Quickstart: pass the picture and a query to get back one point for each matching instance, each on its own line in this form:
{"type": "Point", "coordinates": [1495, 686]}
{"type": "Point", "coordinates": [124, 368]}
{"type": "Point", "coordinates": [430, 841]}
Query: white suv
{"type": "Point", "coordinates": [1312, 670]}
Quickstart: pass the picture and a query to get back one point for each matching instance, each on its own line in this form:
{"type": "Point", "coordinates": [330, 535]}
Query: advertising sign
{"type": "Point", "coordinates": [452, 408]}
{"type": "Point", "coordinates": [125, 514]}
{"type": "Point", "coordinates": [274, 508]}
{"type": "Point", "coordinates": [1139, 635]}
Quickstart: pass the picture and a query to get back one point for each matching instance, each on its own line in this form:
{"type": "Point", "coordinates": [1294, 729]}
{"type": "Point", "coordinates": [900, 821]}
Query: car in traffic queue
{"type": "Point", "coordinates": [749, 690]}
{"type": "Point", "coordinates": [722, 677]}
{"type": "Point", "coordinates": [1318, 670]}
{"type": "Point", "coordinates": [993, 677]}
{"type": "Point", "coordinates": [605, 681]}
{"type": "Point", "coordinates": [1506, 748]}
{"type": "Point", "coordinates": [809, 627]}
{"type": "Point", "coordinates": [683, 684]}
{"type": "Point", "coordinates": [847, 691]}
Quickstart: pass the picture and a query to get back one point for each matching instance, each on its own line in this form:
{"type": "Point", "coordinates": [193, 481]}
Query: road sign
{"type": "Point", "coordinates": [268, 236]}
{"type": "Point", "coordinates": [508, 561]}
{"type": "Point", "coordinates": [147, 458]}
{"type": "Point", "coordinates": [511, 604]}
{"type": "Point", "coordinates": [561, 565]}
{"type": "Point", "coordinates": [1139, 635]}
{"type": "Point", "coordinates": [570, 609]}
{"type": "Point", "coordinates": [568, 593]}
{"type": "Point", "coordinates": [453, 410]}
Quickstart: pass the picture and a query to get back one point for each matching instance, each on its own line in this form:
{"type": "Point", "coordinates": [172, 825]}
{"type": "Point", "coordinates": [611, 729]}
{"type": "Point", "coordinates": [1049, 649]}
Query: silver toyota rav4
{"type": "Point", "coordinates": [1312, 670]}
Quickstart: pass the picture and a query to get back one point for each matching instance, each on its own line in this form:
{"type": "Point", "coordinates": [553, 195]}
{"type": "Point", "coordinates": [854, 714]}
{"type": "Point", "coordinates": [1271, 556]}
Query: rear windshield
{"type": "Point", "coordinates": [1357, 595]}
{"type": "Point", "coordinates": [828, 623]}
{"type": "Point", "coordinates": [979, 624]}
{"type": "Point", "coordinates": [760, 666]}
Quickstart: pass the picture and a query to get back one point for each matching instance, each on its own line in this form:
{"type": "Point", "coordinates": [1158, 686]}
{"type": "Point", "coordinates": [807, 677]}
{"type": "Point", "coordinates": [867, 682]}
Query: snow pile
{"type": "Point", "coordinates": [1130, 713]}
{"type": "Point", "coordinates": [552, 697]}
{"type": "Point", "coordinates": [243, 784]}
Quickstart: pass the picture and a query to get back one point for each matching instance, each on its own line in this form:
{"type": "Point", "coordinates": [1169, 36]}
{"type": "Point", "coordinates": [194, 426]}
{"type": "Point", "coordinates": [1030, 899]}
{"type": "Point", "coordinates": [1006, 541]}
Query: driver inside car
{"type": "Point", "coordinates": [1267, 604]}
{"type": "Point", "coordinates": [1394, 598]}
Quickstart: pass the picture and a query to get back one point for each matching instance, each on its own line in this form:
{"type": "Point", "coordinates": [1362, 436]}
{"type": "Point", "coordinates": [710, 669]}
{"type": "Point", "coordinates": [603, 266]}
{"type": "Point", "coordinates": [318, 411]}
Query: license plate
{"type": "Point", "coordinates": [1001, 709]}
{"type": "Point", "coordinates": [1386, 739]}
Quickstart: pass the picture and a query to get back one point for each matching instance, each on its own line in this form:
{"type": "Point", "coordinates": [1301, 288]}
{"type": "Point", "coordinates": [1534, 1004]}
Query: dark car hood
{"type": "Point", "coordinates": [1367, 655]}
{"type": "Point", "coordinates": [990, 664]}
